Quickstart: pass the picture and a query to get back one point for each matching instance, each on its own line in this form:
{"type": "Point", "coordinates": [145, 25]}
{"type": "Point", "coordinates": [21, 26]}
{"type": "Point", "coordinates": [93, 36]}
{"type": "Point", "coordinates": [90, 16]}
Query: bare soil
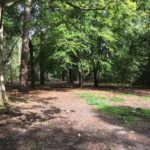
{"type": "Point", "coordinates": [57, 119]}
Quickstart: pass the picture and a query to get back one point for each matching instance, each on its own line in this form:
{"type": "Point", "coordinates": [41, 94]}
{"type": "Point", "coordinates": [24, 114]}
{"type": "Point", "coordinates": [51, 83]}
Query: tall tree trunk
{"type": "Point", "coordinates": [25, 47]}
{"type": "Point", "coordinates": [3, 97]}
{"type": "Point", "coordinates": [32, 65]}
{"type": "Point", "coordinates": [41, 60]}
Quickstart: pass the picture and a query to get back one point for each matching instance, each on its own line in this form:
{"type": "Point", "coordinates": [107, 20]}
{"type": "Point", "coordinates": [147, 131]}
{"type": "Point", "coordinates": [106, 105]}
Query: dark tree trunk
{"type": "Point", "coordinates": [42, 77]}
{"type": "Point", "coordinates": [95, 71]}
{"type": "Point", "coordinates": [41, 60]}
{"type": "Point", "coordinates": [71, 76]}
{"type": "Point", "coordinates": [32, 64]}
{"type": "Point", "coordinates": [80, 80]}
{"type": "Point", "coordinates": [25, 47]}
{"type": "Point", "coordinates": [63, 75]}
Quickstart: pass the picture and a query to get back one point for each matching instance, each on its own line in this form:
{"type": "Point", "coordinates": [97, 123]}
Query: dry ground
{"type": "Point", "coordinates": [57, 119]}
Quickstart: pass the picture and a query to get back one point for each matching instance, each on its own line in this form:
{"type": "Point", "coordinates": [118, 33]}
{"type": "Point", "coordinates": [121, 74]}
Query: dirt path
{"type": "Point", "coordinates": [60, 120]}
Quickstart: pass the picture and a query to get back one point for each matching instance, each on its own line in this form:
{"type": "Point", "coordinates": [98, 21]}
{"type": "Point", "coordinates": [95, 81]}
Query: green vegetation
{"type": "Point", "coordinates": [127, 115]}
{"type": "Point", "coordinates": [97, 41]}
{"type": "Point", "coordinates": [147, 98]}
{"type": "Point", "coordinates": [117, 99]}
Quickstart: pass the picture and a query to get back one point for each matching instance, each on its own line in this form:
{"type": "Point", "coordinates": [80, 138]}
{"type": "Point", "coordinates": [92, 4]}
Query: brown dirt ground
{"type": "Point", "coordinates": [57, 119]}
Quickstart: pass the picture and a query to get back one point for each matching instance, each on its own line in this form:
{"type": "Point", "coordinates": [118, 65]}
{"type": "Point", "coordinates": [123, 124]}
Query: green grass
{"type": "Point", "coordinates": [101, 98]}
{"type": "Point", "coordinates": [117, 99]}
{"type": "Point", "coordinates": [95, 102]}
{"type": "Point", "coordinates": [91, 99]}
{"type": "Point", "coordinates": [127, 115]}
{"type": "Point", "coordinates": [88, 95]}
{"type": "Point", "coordinates": [147, 98]}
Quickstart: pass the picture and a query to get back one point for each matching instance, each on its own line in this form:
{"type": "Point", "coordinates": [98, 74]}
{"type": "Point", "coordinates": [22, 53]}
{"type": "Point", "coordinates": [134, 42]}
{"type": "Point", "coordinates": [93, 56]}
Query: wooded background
{"type": "Point", "coordinates": [103, 41]}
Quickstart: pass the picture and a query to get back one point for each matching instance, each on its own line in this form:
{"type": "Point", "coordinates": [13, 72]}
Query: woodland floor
{"type": "Point", "coordinates": [57, 118]}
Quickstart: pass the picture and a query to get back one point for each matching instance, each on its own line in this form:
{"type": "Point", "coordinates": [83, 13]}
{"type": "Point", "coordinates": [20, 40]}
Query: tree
{"type": "Point", "coordinates": [3, 61]}
{"type": "Point", "coordinates": [32, 64]}
{"type": "Point", "coordinates": [94, 40]}
{"type": "Point", "coordinates": [25, 47]}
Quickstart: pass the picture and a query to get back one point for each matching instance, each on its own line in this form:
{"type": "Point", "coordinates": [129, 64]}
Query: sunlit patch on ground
{"type": "Point", "coordinates": [129, 109]}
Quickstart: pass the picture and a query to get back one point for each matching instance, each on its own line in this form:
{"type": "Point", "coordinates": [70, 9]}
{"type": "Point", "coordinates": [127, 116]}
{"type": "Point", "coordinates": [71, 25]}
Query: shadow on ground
{"type": "Point", "coordinates": [137, 120]}
{"type": "Point", "coordinates": [45, 137]}
{"type": "Point", "coordinates": [41, 126]}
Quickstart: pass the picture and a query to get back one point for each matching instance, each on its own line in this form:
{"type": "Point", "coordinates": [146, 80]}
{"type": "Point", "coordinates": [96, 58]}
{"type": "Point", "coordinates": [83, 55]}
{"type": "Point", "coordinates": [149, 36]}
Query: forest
{"type": "Point", "coordinates": [64, 58]}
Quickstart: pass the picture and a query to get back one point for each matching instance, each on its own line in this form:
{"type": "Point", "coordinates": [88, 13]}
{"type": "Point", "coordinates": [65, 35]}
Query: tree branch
{"type": "Point", "coordinates": [10, 2]}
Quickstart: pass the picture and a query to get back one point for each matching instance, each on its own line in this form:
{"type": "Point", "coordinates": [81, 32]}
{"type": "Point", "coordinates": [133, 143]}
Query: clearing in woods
{"type": "Point", "coordinates": [64, 119]}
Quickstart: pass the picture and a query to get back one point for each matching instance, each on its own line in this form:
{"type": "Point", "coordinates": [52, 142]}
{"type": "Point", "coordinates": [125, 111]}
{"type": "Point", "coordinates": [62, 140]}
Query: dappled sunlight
{"type": "Point", "coordinates": [59, 119]}
{"type": "Point", "coordinates": [124, 111]}
{"type": "Point", "coordinates": [74, 75]}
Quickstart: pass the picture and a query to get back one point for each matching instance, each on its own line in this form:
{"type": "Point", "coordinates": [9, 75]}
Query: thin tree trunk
{"type": "Point", "coordinates": [42, 77]}
{"type": "Point", "coordinates": [80, 80]}
{"type": "Point", "coordinates": [95, 77]}
{"type": "Point", "coordinates": [71, 80]}
{"type": "Point", "coordinates": [63, 75]}
{"type": "Point", "coordinates": [10, 73]}
{"type": "Point", "coordinates": [25, 47]}
{"type": "Point", "coordinates": [41, 60]}
{"type": "Point", "coordinates": [3, 96]}
{"type": "Point", "coordinates": [32, 65]}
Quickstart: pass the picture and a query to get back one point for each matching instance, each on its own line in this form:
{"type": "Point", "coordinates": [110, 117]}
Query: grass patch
{"type": "Point", "coordinates": [95, 102]}
{"type": "Point", "coordinates": [117, 99]}
{"type": "Point", "coordinates": [126, 95]}
{"type": "Point", "coordinates": [147, 98]}
{"type": "Point", "coordinates": [127, 115]}
{"type": "Point", "coordinates": [101, 98]}
{"type": "Point", "coordinates": [91, 96]}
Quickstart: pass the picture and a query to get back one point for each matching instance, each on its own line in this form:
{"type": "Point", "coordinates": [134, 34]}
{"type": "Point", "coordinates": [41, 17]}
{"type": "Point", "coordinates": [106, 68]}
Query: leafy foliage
{"type": "Point", "coordinates": [104, 40]}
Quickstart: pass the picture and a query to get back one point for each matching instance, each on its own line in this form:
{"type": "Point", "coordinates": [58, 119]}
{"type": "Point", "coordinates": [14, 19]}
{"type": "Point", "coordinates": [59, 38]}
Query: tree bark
{"type": "Point", "coordinates": [25, 47]}
{"type": "Point", "coordinates": [80, 80]}
{"type": "Point", "coordinates": [10, 74]}
{"type": "Point", "coordinates": [95, 72]}
{"type": "Point", "coordinates": [32, 65]}
{"type": "Point", "coordinates": [71, 77]}
{"type": "Point", "coordinates": [63, 75]}
{"type": "Point", "coordinates": [3, 97]}
{"type": "Point", "coordinates": [41, 60]}
{"type": "Point", "coordinates": [42, 76]}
